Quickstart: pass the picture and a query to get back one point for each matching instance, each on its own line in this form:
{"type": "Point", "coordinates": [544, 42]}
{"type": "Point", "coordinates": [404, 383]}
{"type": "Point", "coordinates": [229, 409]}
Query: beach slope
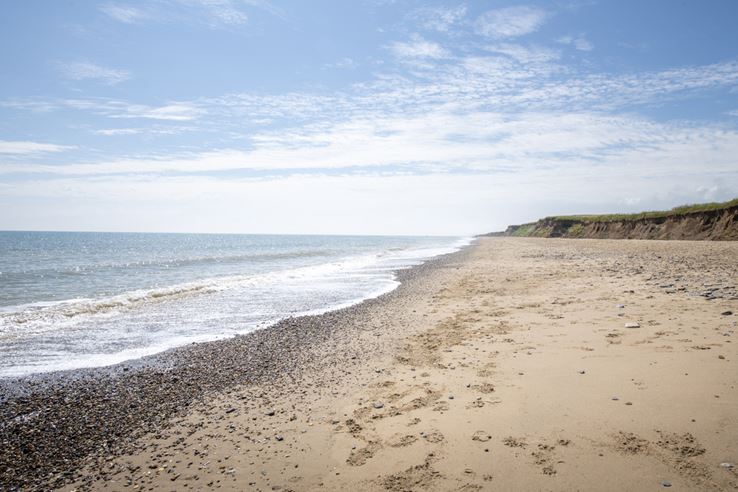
{"type": "Point", "coordinates": [518, 364]}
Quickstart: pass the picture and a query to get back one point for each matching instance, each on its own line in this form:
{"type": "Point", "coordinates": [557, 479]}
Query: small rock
{"type": "Point", "coordinates": [582, 371]}
{"type": "Point", "coordinates": [615, 398]}
{"type": "Point", "coordinates": [727, 313]}
{"type": "Point", "coordinates": [721, 357]}
{"type": "Point", "coordinates": [665, 483]}
{"type": "Point", "coordinates": [450, 397]}
{"type": "Point", "coordinates": [632, 325]}
{"type": "Point", "coordinates": [378, 404]}
{"type": "Point", "coordinates": [628, 403]}
{"type": "Point", "coordinates": [620, 306]}
{"type": "Point", "coordinates": [728, 466]}
{"type": "Point", "coordinates": [279, 438]}
{"type": "Point", "coordinates": [269, 413]}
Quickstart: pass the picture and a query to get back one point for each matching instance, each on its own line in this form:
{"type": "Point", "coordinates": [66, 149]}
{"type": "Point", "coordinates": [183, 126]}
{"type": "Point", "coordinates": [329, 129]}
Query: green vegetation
{"type": "Point", "coordinates": [676, 211]}
{"type": "Point", "coordinates": [524, 230]}
{"type": "Point", "coordinates": [577, 230]}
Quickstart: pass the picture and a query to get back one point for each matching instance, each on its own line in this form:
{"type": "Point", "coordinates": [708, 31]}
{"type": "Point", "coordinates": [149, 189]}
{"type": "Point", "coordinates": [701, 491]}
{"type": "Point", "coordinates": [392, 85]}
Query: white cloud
{"type": "Point", "coordinates": [579, 42]}
{"type": "Point", "coordinates": [440, 19]}
{"type": "Point", "coordinates": [510, 22]}
{"type": "Point", "coordinates": [525, 54]}
{"type": "Point", "coordinates": [123, 13]}
{"type": "Point", "coordinates": [343, 63]}
{"type": "Point", "coordinates": [418, 48]}
{"type": "Point", "coordinates": [82, 70]}
{"type": "Point", "coordinates": [219, 12]}
{"type": "Point", "coordinates": [448, 140]}
{"type": "Point", "coordinates": [25, 148]}
{"type": "Point", "coordinates": [170, 112]}
{"type": "Point", "coordinates": [118, 131]}
{"type": "Point", "coordinates": [215, 13]}
{"type": "Point", "coordinates": [379, 204]}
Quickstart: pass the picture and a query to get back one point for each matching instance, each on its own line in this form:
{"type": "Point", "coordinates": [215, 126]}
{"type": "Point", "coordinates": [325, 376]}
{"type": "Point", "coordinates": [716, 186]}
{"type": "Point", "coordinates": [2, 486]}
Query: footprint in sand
{"type": "Point", "coordinates": [359, 457]}
{"type": "Point", "coordinates": [400, 441]}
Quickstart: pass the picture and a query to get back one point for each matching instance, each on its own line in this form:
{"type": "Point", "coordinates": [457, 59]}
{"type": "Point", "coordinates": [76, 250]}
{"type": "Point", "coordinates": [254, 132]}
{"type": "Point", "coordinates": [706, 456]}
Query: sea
{"type": "Point", "coordinates": [72, 300]}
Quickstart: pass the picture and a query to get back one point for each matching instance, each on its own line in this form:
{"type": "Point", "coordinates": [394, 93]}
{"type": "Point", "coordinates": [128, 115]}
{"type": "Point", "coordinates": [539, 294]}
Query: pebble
{"type": "Point", "coordinates": [615, 398]}
{"type": "Point", "coordinates": [620, 306]}
{"type": "Point", "coordinates": [450, 397]}
{"type": "Point", "coordinates": [665, 483]}
{"type": "Point", "coordinates": [632, 325]}
{"type": "Point", "coordinates": [279, 438]}
{"type": "Point", "coordinates": [727, 466]}
{"type": "Point", "coordinates": [727, 313]}
{"type": "Point", "coordinates": [582, 371]}
{"type": "Point", "coordinates": [378, 404]}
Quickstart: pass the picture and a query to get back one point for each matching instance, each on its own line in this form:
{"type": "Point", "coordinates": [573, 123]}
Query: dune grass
{"type": "Point", "coordinates": [676, 211]}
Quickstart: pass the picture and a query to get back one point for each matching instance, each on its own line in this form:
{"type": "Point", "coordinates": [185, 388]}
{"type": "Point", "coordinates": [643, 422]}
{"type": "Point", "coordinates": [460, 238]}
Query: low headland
{"type": "Point", "coordinates": [705, 221]}
{"type": "Point", "coordinates": [513, 364]}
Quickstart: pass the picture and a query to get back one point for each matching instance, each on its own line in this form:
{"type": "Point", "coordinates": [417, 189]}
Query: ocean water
{"type": "Point", "coordinates": [71, 300]}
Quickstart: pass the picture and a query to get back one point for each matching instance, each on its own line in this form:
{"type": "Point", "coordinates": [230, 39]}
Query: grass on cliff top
{"type": "Point", "coordinates": [676, 211]}
{"type": "Point", "coordinates": [524, 230]}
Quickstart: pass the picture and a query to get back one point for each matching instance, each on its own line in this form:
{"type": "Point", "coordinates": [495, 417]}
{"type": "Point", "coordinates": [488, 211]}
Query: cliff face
{"type": "Point", "coordinates": [706, 225]}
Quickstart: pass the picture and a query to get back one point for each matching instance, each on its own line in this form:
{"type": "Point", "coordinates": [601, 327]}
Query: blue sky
{"type": "Point", "coordinates": [396, 117]}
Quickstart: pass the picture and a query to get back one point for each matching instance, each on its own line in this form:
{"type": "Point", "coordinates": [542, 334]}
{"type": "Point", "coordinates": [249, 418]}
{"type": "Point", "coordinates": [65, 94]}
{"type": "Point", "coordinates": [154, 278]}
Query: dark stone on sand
{"type": "Point", "coordinates": [727, 313]}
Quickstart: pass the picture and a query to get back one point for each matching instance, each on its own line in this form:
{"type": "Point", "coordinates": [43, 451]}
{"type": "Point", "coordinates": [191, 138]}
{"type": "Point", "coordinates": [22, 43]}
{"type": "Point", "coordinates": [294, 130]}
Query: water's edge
{"type": "Point", "coordinates": [12, 387]}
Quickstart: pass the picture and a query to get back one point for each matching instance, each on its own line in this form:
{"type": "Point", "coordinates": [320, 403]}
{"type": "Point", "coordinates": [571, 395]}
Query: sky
{"type": "Point", "coordinates": [361, 117]}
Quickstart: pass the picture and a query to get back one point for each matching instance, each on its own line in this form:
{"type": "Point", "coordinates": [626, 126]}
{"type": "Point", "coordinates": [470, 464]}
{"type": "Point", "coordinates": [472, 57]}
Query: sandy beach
{"type": "Point", "coordinates": [515, 364]}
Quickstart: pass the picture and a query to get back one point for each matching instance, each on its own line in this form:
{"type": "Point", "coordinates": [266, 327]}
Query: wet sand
{"type": "Point", "coordinates": [508, 366]}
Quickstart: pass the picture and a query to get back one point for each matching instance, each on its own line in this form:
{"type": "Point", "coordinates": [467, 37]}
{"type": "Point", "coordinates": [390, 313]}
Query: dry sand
{"type": "Point", "coordinates": [509, 367]}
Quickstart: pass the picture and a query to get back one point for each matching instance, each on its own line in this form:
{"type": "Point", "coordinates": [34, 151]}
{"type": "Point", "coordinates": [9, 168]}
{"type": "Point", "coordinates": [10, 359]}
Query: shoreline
{"type": "Point", "coordinates": [41, 427]}
{"type": "Point", "coordinates": [383, 267]}
{"type": "Point", "coordinates": [513, 364]}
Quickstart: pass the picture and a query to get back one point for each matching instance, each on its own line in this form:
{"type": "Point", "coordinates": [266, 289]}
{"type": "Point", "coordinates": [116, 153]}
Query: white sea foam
{"type": "Point", "coordinates": [89, 332]}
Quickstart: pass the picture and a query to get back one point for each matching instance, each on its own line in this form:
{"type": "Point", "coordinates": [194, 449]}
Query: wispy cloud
{"type": "Point", "coordinates": [418, 48]}
{"type": "Point", "coordinates": [111, 108]}
{"type": "Point", "coordinates": [510, 22]}
{"type": "Point", "coordinates": [440, 19]}
{"type": "Point", "coordinates": [83, 70]}
{"type": "Point", "coordinates": [123, 13]}
{"type": "Point", "coordinates": [171, 112]}
{"type": "Point", "coordinates": [525, 54]}
{"type": "Point", "coordinates": [26, 148]}
{"type": "Point", "coordinates": [343, 63]}
{"type": "Point", "coordinates": [579, 42]}
{"type": "Point", "coordinates": [220, 11]}
{"type": "Point", "coordinates": [214, 13]}
{"type": "Point", "coordinates": [447, 140]}
{"type": "Point", "coordinates": [112, 132]}
{"type": "Point", "coordinates": [155, 130]}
